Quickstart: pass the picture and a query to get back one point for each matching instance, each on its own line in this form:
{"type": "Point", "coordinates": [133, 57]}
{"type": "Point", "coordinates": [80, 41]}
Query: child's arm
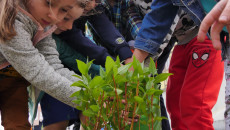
{"type": "Point", "coordinates": [156, 29]}
{"type": "Point", "coordinates": [68, 57]}
{"type": "Point", "coordinates": [133, 19]}
{"type": "Point", "coordinates": [110, 36]}
{"type": "Point", "coordinates": [75, 39]}
{"type": "Point", "coordinates": [33, 66]}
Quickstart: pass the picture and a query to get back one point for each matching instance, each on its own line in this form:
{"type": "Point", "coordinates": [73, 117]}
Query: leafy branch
{"type": "Point", "coordinates": [108, 100]}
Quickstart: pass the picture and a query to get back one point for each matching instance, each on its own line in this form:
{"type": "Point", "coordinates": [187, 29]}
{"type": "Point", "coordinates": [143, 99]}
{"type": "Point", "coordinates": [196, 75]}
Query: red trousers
{"type": "Point", "coordinates": [14, 103]}
{"type": "Point", "coordinates": [193, 89]}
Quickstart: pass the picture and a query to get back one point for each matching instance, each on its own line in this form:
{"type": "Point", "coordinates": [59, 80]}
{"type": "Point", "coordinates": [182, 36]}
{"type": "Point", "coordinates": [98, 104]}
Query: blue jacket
{"type": "Point", "coordinates": [109, 38]}
{"type": "Point", "coordinates": [157, 23]}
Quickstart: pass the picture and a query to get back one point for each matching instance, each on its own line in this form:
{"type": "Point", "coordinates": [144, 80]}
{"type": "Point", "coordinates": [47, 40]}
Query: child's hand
{"type": "Point", "coordinates": [217, 18]}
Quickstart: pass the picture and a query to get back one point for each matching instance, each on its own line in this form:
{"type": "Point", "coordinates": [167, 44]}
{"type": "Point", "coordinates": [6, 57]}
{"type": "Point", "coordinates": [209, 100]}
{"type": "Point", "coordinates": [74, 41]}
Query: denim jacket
{"type": "Point", "coordinates": [157, 24]}
{"type": "Point", "coordinates": [193, 8]}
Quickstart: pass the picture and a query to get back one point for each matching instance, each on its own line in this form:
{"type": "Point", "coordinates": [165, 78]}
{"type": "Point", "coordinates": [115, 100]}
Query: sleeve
{"type": "Point", "coordinates": [134, 20]}
{"type": "Point", "coordinates": [76, 40]}
{"type": "Point", "coordinates": [156, 25]}
{"type": "Point", "coordinates": [41, 68]}
{"type": "Point", "coordinates": [68, 57]}
{"type": "Point", "coordinates": [111, 38]}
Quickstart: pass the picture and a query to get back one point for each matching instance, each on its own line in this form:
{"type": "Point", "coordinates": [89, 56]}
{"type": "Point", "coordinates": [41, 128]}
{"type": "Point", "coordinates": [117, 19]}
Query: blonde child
{"type": "Point", "coordinates": [28, 56]}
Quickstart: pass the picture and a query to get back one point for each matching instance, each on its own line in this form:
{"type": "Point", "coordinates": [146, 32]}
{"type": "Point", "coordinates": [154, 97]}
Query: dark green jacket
{"type": "Point", "coordinates": [68, 57]}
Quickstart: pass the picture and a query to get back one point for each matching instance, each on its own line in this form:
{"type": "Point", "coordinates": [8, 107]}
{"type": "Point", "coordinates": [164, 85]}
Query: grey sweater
{"type": "Point", "coordinates": [38, 64]}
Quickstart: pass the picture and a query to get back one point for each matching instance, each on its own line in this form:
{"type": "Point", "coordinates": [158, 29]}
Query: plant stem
{"type": "Point", "coordinates": [101, 108]}
{"type": "Point", "coordinates": [126, 105]}
{"type": "Point", "coordinates": [113, 113]}
{"type": "Point", "coordinates": [105, 123]}
{"type": "Point", "coordinates": [150, 109]}
{"type": "Point", "coordinates": [149, 115]}
{"type": "Point", "coordinates": [86, 118]}
{"type": "Point", "coordinates": [98, 117]}
{"type": "Point", "coordinates": [117, 101]}
{"type": "Point", "coordinates": [139, 124]}
{"type": "Point", "coordinates": [137, 91]}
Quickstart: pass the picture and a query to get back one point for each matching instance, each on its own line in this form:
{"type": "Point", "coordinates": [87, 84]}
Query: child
{"type": "Point", "coordinates": [28, 56]}
{"type": "Point", "coordinates": [198, 71]}
{"type": "Point", "coordinates": [108, 36]}
{"type": "Point", "coordinates": [127, 16]}
{"type": "Point", "coordinates": [56, 114]}
{"type": "Point", "coordinates": [216, 19]}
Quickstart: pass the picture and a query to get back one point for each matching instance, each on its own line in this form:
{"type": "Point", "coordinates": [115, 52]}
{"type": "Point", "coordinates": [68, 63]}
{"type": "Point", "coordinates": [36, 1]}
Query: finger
{"type": "Point", "coordinates": [210, 18]}
{"type": "Point", "coordinates": [225, 16]}
{"type": "Point", "coordinates": [215, 34]}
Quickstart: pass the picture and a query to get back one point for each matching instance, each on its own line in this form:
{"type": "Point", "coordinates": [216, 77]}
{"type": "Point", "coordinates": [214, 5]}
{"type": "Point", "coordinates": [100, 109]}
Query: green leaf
{"type": "Point", "coordinates": [97, 80]}
{"type": "Point", "coordinates": [123, 69]}
{"type": "Point", "coordinates": [146, 70]}
{"type": "Point", "coordinates": [96, 93]}
{"type": "Point", "coordinates": [88, 113]}
{"type": "Point", "coordinates": [137, 66]}
{"type": "Point", "coordinates": [78, 76]}
{"type": "Point", "coordinates": [163, 117]}
{"type": "Point", "coordinates": [158, 92]}
{"type": "Point", "coordinates": [120, 79]}
{"type": "Point", "coordinates": [102, 72]}
{"type": "Point", "coordinates": [95, 108]}
{"type": "Point", "coordinates": [141, 89]}
{"type": "Point", "coordinates": [159, 118]}
{"type": "Point", "coordinates": [119, 91]}
{"type": "Point", "coordinates": [79, 84]}
{"type": "Point", "coordinates": [109, 64]}
{"type": "Point", "coordinates": [149, 85]}
{"type": "Point", "coordinates": [115, 70]}
{"type": "Point", "coordinates": [118, 62]}
{"type": "Point", "coordinates": [89, 64]}
{"type": "Point", "coordinates": [107, 88]}
{"type": "Point", "coordinates": [151, 91]}
{"type": "Point", "coordinates": [76, 94]}
{"type": "Point", "coordinates": [161, 77]}
{"type": "Point", "coordinates": [138, 99]}
{"type": "Point", "coordinates": [152, 67]}
{"type": "Point", "coordinates": [156, 99]}
{"type": "Point", "coordinates": [82, 67]}
{"type": "Point", "coordinates": [79, 108]}
{"type": "Point", "coordinates": [85, 80]}
{"type": "Point", "coordinates": [77, 101]}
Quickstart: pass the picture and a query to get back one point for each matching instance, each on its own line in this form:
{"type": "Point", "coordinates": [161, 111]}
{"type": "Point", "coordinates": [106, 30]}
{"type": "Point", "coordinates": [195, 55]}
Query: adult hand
{"type": "Point", "coordinates": [217, 18]}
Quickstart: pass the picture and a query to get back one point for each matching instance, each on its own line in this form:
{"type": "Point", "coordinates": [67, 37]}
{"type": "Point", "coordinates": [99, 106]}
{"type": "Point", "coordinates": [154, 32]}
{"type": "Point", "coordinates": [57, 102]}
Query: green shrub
{"type": "Point", "coordinates": [104, 98]}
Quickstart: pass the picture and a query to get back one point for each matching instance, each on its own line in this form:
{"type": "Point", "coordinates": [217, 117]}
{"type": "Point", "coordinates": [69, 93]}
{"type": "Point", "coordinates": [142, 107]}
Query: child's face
{"type": "Point", "coordinates": [67, 22]}
{"type": "Point", "coordinates": [49, 12]}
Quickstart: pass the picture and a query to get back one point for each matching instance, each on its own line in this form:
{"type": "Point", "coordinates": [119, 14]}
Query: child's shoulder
{"type": "Point", "coordinates": [24, 23]}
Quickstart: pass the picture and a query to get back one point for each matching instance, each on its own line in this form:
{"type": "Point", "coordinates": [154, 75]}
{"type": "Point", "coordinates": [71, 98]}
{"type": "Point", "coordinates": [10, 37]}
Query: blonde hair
{"type": "Point", "coordinates": [8, 13]}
